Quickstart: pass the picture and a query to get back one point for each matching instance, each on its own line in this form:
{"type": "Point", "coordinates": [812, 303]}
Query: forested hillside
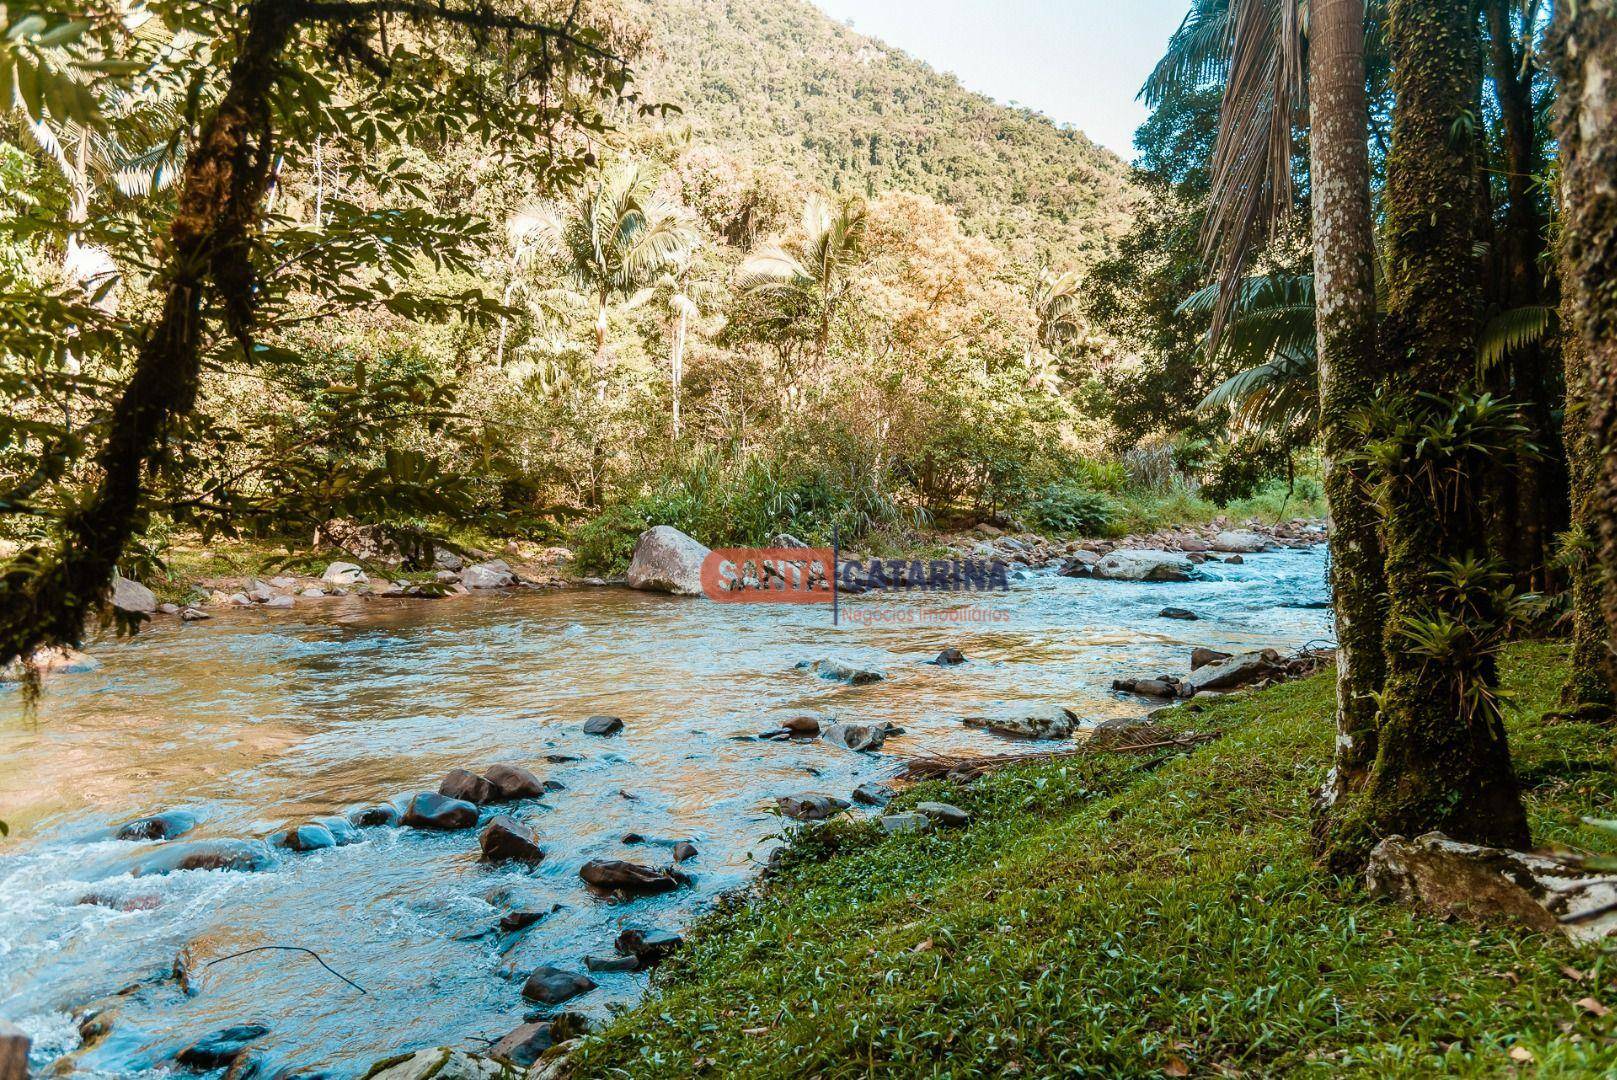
{"type": "Point", "coordinates": [780, 80]}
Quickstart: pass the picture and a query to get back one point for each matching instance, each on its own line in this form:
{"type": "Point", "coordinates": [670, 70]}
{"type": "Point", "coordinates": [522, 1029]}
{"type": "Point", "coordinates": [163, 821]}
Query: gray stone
{"type": "Point", "coordinates": [1058, 724]}
{"type": "Point", "coordinates": [945, 815]}
{"type": "Point", "coordinates": [1240, 541]}
{"type": "Point", "coordinates": [1454, 878]}
{"type": "Point", "coordinates": [855, 736]}
{"type": "Point", "coordinates": [1178, 613]}
{"type": "Point", "coordinates": [629, 877]}
{"type": "Point", "coordinates": [343, 573]}
{"type": "Point", "coordinates": [373, 816]}
{"type": "Point", "coordinates": [309, 837]}
{"type": "Point", "coordinates": [649, 947]}
{"type": "Point", "coordinates": [553, 986]}
{"type": "Point", "coordinates": [165, 826]}
{"type": "Point", "coordinates": [279, 602]}
{"type": "Point", "coordinates": [810, 806]}
{"type": "Point", "coordinates": [666, 560]}
{"type": "Point", "coordinates": [1234, 672]}
{"type": "Point", "coordinates": [131, 597]}
{"type": "Point", "coordinates": [1200, 657]}
{"type": "Point", "coordinates": [872, 793]}
{"type": "Point", "coordinates": [441, 1063]}
{"type": "Point", "coordinates": [1145, 564]}
{"type": "Point", "coordinates": [523, 1046]}
{"type": "Point", "coordinates": [494, 574]}
{"type": "Point", "coordinates": [904, 823]}
{"type": "Point", "coordinates": [603, 725]}
{"type": "Point", "coordinates": [611, 963]}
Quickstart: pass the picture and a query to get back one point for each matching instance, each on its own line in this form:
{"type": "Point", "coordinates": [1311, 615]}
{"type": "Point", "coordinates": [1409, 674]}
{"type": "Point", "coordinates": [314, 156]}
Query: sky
{"type": "Point", "coordinates": [1080, 62]}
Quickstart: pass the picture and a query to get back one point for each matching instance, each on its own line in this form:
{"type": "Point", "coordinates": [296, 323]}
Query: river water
{"type": "Point", "coordinates": [258, 719]}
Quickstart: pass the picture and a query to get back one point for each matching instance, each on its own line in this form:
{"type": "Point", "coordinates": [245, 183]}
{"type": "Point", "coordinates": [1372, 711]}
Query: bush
{"type": "Point", "coordinates": [1070, 508]}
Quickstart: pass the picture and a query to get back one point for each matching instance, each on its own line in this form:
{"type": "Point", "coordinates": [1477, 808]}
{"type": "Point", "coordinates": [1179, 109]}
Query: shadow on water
{"type": "Point", "coordinates": [258, 719]}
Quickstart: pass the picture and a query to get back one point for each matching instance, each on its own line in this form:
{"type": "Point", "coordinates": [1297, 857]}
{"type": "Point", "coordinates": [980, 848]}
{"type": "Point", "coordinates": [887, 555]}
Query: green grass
{"type": "Point", "coordinates": [1117, 917]}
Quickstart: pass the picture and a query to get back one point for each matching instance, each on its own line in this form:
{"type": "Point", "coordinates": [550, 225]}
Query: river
{"type": "Point", "coordinates": [259, 719]}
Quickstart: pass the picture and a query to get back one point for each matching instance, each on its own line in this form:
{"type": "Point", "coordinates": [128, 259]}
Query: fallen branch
{"type": "Point", "coordinates": [964, 767]}
{"type": "Point", "coordinates": [289, 948]}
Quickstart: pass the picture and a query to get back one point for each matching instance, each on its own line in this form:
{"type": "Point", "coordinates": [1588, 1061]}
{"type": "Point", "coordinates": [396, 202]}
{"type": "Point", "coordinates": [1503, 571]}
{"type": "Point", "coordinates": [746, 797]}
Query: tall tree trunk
{"type": "Point", "coordinates": [1532, 485]}
{"type": "Point", "coordinates": [1588, 690]}
{"type": "Point", "coordinates": [221, 192]}
{"type": "Point", "coordinates": [1345, 312]}
{"type": "Point", "coordinates": [1442, 761]}
{"type": "Point", "coordinates": [676, 364]}
{"type": "Point", "coordinates": [1585, 50]}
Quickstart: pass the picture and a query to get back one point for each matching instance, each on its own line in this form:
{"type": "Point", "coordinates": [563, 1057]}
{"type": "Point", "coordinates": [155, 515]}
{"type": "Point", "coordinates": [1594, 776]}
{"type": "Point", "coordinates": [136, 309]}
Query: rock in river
{"type": "Point", "coordinates": [429, 810]}
{"type": "Point", "coordinates": [506, 838]}
{"type": "Point", "coordinates": [1145, 564]}
{"type": "Point", "coordinates": [164, 826]}
{"type": "Point", "coordinates": [628, 876]}
{"type": "Point", "coordinates": [467, 787]}
{"type": "Point", "coordinates": [666, 560]}
{"type": "Point", "coordinates": [343, 573]}
{"type": "Point", "coordinates": [513, 783]}
{"type": "Point", "coordinates": [205, 855]}
{"type": "Point", "coordinates": [648, 947]}
{"type": "Point", "coordinates": [1201, 657]}
{"type": "Point", "coordinates": [523, 1046]}
{"type": "Point", "coordinates": [811, 806]}
{"type": "Point", "coordinates": [1178, 613]}
{"type": "Point", "coordinates": [309, 837]}
{"type": "Point", "coordinates": [1241, 541]}
{"type": "Point", "coordinates": [841, 671]}
{"type": "Point", "coordinates": [131, 597]}
{"type": "Point", "coordinates": [369, 817]}
{"type": "Point", "coordinates": [611, 963]}
{"type": "Point", "coordinates": [495, 574]}
{"type": "Point", "coordinates": [855, 736]}
{"type": "Point", "coordinates": [948, 658]}
{"type": "Point", "coordinates": [554, 986]}
{"type": "Point", "coordinates": [684, 851]}
{"type": "Point", "coordinates": [222, 1047]}
{"type": "Point", "coordinates": [1059, 724]}
{"type": "Point", "coordinates": [441, 1063]}
{"type": "Point", "coordinates": [603, 725]}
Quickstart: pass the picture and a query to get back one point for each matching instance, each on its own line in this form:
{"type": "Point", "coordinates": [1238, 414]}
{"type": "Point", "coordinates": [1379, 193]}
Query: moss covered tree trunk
{"type": "Point", "coordinates": [1585, 49]}
{"type": "Point", "coordinates": [1442, 761]}
{"type": "Point", "coordinates": [1588, 690]}
{"type": "Point", "coordinates": [1345, 313]}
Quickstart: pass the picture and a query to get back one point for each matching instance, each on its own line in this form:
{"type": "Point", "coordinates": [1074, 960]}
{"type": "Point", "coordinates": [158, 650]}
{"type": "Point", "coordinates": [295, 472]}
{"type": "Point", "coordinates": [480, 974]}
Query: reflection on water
{"type": "Point", "coordinates": [255, 720]}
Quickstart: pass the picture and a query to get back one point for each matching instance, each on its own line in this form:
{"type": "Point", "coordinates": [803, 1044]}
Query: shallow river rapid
{"type": "Point", "coordinates": [260, 719]}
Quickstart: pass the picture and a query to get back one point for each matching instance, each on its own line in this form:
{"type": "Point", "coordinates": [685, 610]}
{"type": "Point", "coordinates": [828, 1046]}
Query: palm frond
{"type": "Point", "coordinates": [1510, 331]}
{"type": "Point", "coordinates": [1198, 53]}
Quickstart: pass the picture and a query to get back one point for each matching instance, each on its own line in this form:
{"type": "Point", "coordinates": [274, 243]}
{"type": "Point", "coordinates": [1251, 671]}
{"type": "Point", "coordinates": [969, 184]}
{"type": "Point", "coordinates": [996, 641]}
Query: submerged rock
{"type": "Point", "coordinates": [50, 660]}
{"type": "Point", "coordinates": [666, 560]}
{"type": "Point", "coordinates": [308, 837]}
{"type": "Point", "coordinates": [505, 838]}
{"type": "Point", "coordinates": [684, 851]}
{"type": "Point", "coordinates": [164, 826]}
{"type": "Point", "coordinates": [246, 855]}
{"type": "Point", "coordinates": [342, 830]}
{"type": "Point", "coordinates": [1178, 613]}
{"type": "Point", "coordinates": [1145, 564]}
{"type": "Point", "coordinates": [370, 817]}
{"type": "Point", "coordinates": [513, 783]}
{"type": "Point", "coordinates": [948, 658]}
{"type": "Point", "coordinates": [855, 736]}
{"type": "Point", "coordinates": [553, 985]}
{"type": "Point", "coordinates": [603, 725]}
{"type": "Point", "coordinates": [1059, 724]}
{"type": "Point", "coordinates": [429, 810]}
{"type": "Point", "coordinates": [629, 877]}
{"type": "Point", "coordinates": [841, 671]}
{"type": "Point", "coordinates": [467, 787]}
{"type": "Point", "coordinates": [811, 806]}
{"type": "Point", "coordinates": [222, 1047]}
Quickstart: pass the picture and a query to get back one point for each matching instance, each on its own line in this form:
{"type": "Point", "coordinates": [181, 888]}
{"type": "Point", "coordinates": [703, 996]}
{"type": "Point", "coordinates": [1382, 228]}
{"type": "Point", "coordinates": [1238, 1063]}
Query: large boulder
{"type": "Point", "coordinates": [666, 560]}
{"type": "Point", "coordinates": [343, 573]}
{"type": "Point", "coordinates": [1241, 542]}
{"type": "Point", "coordinates": [441, 1063]}
{"type": "Point", "coordinates": [855, 736]}
{"type": "Point", "coordinates": [513, 782]}
{"type": "Point", "coordinates": [494, 574]}
{"type": "Point", "coordinates": [1145, 564]}
{"type": "Point", "coordinates": [1058, 724]}
{"type": "Point", "coordinates": [1080, 563]}
{"type": "Point", "coordinates": [629, 877]}
{"type": "Point", "coordinates": [505, 838]}
{"type": "Point", "coordinates": [1454, 878]}
{"type": "Point", "coordinates": [1235, 672]}
{"type": "Point", "coordinates": [430, 810]}
{"type": "Point", "coordinates": [810, 806]}
{"type": "Point", "coordinates": [131, 597]}
{"type": "Point", "coordinates": [48, 661]}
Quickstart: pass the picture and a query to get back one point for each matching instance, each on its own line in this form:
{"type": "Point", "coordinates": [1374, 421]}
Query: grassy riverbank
{"type": "Point", "coordinates": [1115, 916]}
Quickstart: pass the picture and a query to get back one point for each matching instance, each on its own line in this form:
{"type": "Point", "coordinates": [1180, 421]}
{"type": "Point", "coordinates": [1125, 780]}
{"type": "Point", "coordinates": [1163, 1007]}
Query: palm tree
{"type": "Point", "coordinates": [810, 280]}
{"type": "Point", "coordinates": [684, 296]}
{"type": "Point", "coordinates": [614, 239]}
